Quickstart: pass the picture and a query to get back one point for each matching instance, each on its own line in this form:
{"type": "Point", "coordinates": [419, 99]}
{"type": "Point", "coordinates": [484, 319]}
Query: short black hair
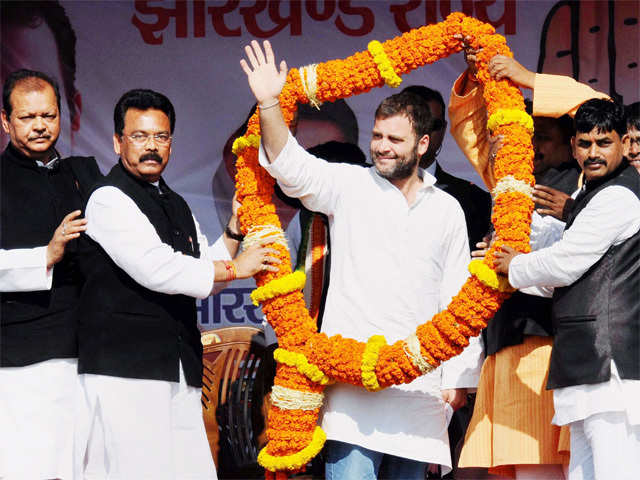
{"type": "Point", "coordinates": [30, 15]}
{"type": "Point", "coordinates": [32, 80]}
{"type": "Point", "coordinates": [605, 115]}
{"type": "Point", "coordinates": [142, 99]}
{"type": "Point", "coordinates": [632, 115]}
{"type": "Point", "coordinates": [430, 95]}
{"type": "Point", "coordinates": [413, 106]}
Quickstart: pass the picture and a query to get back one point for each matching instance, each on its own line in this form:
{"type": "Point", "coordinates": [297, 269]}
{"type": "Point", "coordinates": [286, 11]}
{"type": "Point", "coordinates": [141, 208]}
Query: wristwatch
{"type": "Point", "coordinates": [234, 236]}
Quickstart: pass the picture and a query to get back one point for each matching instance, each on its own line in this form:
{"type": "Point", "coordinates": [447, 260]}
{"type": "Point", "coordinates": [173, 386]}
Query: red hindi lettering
{"type": "Point", "coordinates": [368, 19]}
{"type": "Point", "coordinates": [148, 30]}
{"type": "Point", "coordinates": [217, 19]}
{"type": "Point", "coordinates": [445, 8]}
{"type": "Point", "coordinates": [400, 14]}
{"type": "Point", "coordinates": [508, 18]}
{"type": "Point", "coordinates": [294, 19]}
{"type": "Point", "coordinates": [313, 10]}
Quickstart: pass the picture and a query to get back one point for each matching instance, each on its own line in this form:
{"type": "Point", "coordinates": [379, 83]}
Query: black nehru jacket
{"type": "Point", "coordinates": [475, 203]}
{"type": "Point", "coordinates": [125, 329]}
{"type": "Point", "coordinates": [596, 319]}
{"type": "Point", "coordinates": [40, 325]}
{"type": "Point", "coordinates": [523, 314]}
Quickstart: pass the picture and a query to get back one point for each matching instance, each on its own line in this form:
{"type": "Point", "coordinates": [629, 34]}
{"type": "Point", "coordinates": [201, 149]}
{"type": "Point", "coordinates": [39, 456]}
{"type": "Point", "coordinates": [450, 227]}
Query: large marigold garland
{"type": "Point", "coordinates": [307, 359]}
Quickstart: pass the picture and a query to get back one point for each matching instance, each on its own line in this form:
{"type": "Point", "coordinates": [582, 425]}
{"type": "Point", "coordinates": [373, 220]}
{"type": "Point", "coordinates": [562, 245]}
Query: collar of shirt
{"type": "Point", "coordinates": [428, 182]}
{"type": "Point", "coordinates": [51, 164]}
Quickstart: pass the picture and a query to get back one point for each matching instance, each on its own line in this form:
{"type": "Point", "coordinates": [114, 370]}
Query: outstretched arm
{"type": "Point", "coordinates": [553, 95]}
{"type": "Point", "coordinates": [266, 83]}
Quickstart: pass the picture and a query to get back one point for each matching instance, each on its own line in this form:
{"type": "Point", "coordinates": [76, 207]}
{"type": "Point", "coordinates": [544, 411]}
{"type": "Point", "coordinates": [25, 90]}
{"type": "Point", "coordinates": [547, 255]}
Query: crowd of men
{"type": "Point", "coordinates": [100, 353]}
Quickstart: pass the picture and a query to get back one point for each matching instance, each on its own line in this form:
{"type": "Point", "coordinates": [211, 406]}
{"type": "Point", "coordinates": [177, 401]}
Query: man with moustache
{"type": "Point", "coordinates": [39, 36]}
{"type": "Point", "coordinates": [140, 355]}
{"type": "Point", "coordinates": [42, 195]}
{"type": "Point", "coordinates": [594, 271]}
{"type": "Point", "coordinates": [399, 252]}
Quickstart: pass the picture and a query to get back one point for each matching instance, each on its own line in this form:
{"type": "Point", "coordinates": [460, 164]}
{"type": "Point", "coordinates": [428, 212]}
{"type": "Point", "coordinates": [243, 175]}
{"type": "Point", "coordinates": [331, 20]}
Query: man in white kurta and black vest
{"type": "Point", "coordinates": [594, 270]}
{"type": "Point", "coordinates": [399, 253]}
{"type": "Point", "coordinates": [41, 198]}
{"type": "Point", "coordinates": [140, 355]}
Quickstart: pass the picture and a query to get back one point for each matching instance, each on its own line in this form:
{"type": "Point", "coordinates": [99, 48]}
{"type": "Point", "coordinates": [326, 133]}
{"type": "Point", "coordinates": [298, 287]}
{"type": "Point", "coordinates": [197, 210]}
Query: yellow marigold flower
{"type": "Point", "coordinates": [241, 143]}
{"type": "Point", "coordinates": [369, 361]}
{"type": "Point", "coordinates": [387, 72]}
{"type": "Point", "coordinates": [505, 116]}
{"type": "Point", "coordinates": [295, 460]}
{"type": "Point", "coordinates": [298, 360]}
{"type": "Point", "coordinates": [489, 277]}
{"type": "Point", "coordinates": [280, 286]}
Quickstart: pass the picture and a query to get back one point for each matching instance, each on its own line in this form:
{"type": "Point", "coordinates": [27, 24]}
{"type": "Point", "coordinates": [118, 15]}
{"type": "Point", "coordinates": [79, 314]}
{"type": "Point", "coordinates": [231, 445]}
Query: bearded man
{"type": "Point", "coordinates": [399, 253]}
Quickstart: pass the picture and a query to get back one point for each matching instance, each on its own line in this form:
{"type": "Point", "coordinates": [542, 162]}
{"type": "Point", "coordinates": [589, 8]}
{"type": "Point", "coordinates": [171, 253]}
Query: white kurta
{"type": "Point", "coordinates": [127, 236]}
{"type": "Point", "coordinates": [611, 217]}
{"type": "Point", "coordinates": [24, 270]}
{"type": "Point", "coordinates": [393, 266]}
{"type": "Point", "coordinates": [37, 402]}
{"type": "Point", "coordinates": [131, 241]}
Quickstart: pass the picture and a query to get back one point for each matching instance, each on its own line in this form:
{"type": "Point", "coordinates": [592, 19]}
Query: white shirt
{"type": "Point", "coordinates": [393, 266]}
{"type": "Point", "coordinates": [129, 238]}
{"type": "Point", "coordinates": [611, 217]}
{"type": "Point", "coordinates": [24, 270]}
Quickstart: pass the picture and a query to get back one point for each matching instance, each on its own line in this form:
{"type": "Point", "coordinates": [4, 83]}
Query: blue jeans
{"type": "Point", "coordinates": [353, 462]}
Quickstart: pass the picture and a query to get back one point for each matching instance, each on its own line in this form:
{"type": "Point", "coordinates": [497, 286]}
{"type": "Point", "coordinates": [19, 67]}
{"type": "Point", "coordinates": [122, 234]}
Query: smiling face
{"type": "Point", "coordinates": [34, 124]}
{"type": "Point", "coordinates": [148, 160]}
{"type": "Point", "coordinates": [599, 153]}
{"type": "Point", "coordinates": [394, 149]}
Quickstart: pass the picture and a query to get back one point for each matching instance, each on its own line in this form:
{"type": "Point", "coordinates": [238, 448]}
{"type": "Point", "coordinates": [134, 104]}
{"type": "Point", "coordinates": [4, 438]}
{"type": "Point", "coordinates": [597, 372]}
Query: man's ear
{"type": "Point", "coordinates": [626, 144]}
{"type": "Point", "coordinates": [5, 121]}
{"type": "Point", "coordinates": [116, 143]}
{"type": "Point", "coordinates": [423, 145]}
{"type": "Point", "coordinates": [573, 146]}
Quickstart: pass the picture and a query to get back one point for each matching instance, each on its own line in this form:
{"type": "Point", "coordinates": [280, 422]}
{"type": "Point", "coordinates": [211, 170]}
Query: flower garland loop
{"type": "Point", "coordinates": [294, 461]}
{"type": "Point", "coordinates": [308, 359]}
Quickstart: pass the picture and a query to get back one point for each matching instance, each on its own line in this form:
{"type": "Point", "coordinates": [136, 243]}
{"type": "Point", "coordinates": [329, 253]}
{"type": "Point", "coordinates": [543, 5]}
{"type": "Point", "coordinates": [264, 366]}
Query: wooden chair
{"type": "Point", "coordinates": [238, 373]}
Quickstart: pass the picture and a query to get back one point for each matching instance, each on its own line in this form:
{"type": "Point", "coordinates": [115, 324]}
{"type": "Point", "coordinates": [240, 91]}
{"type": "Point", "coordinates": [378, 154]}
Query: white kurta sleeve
{"type": "Point", "coordinates": [461, 371]}
{"type": "Point", "coordinates": [24, 270]}
{"type": "Point", "coordinates": [316, 182]}
{"type": "Point", "coordinates": [127, 236]}
{"type": "Point", "coordinates": [611, 217]}
{"type": "Point", "coordinates": [216, 251]}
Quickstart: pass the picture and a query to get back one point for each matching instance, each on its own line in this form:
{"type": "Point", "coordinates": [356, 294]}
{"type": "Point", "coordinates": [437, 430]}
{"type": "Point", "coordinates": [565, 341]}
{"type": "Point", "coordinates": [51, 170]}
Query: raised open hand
{"type": "Point", "coordinates": [265, 80]}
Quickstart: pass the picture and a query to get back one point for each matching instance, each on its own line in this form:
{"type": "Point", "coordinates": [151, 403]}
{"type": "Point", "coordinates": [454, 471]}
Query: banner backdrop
{"type": "Point", "coordinates": [190, 51]}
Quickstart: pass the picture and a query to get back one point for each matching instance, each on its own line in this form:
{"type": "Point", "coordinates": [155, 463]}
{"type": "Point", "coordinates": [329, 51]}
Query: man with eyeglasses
{"type": "Point", "coordinates": [146, 261]}
{"type": "Point", "coordinates": [41, 198]}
